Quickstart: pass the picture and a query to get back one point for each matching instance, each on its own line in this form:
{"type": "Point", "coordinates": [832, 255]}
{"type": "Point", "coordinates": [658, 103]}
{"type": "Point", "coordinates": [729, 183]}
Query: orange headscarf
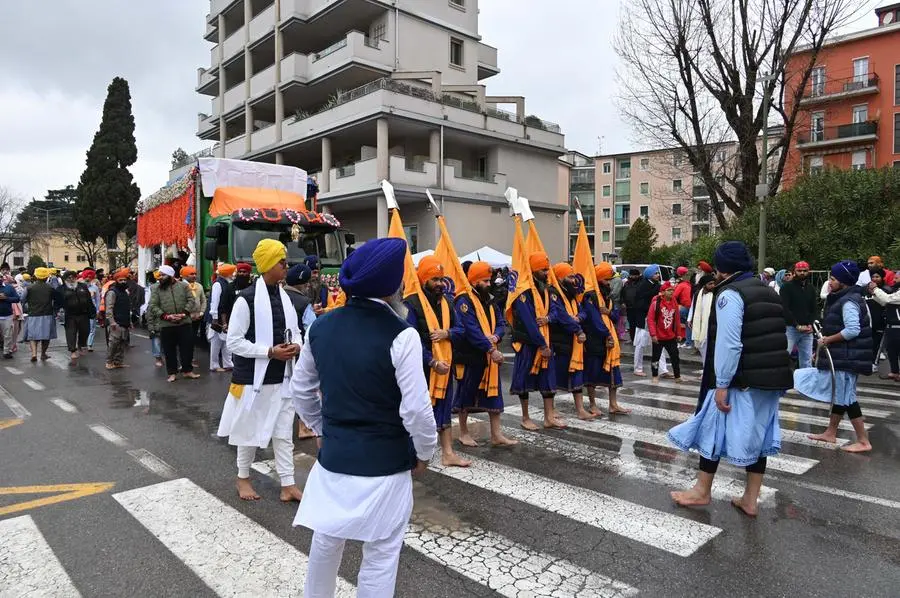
{"type": "Point", "coordinates": [188, 271]}
{"type": "Point", "coordinates": [604, 271]}
{"type": "Point", "coordinates": [562, 270]}
{"type": "Point", "coordinates": [429, 267]}
{"type": "Point", "coordinates": [226, 270]}
{"type": "Point", "coordinates": [122, 274]}
{"type": "Point", "coordinates": [538, 261]}
{"type": "Point", "coordinates": [479, 272]}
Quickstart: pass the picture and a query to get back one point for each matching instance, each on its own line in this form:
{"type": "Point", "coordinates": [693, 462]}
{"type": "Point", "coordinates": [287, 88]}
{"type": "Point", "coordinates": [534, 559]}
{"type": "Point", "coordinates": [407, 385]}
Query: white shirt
{"type": "Point", "coordinates": [214, 297]}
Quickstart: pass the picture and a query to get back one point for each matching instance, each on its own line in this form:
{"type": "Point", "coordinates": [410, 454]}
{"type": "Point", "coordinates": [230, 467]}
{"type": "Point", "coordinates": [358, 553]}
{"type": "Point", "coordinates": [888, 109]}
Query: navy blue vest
{"type": "Point", "coordinates": [243, 366]}
{"type": "Point", "coordinates": [362, 432]}
{"type": "Point", "coordinates": [122, 306]}
{"type": "Point", "coordinates": [854, 355]}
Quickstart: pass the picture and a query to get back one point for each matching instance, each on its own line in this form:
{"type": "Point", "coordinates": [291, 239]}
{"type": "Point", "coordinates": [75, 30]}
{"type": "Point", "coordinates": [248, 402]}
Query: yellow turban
{"type": "Point", "coordinates": [42, 273]}
{"type": "Point", "coordinates": [26, 276]}
{"type": "Point", "coordinates": [267, 254]}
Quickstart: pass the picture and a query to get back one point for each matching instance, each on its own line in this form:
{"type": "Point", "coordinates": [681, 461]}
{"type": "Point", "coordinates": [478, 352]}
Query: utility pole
{"type": "Point", "coordinates": [762, 189]}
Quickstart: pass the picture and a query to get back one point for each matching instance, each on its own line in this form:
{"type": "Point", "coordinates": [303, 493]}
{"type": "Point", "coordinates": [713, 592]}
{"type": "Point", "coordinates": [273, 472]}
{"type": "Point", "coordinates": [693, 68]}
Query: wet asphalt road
{"type": "Point", "coordinates": [583, 511]}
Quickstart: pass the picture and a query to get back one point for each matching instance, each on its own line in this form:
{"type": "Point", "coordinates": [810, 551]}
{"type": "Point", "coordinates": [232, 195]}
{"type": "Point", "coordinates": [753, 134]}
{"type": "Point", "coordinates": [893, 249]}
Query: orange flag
{"type": "Point", "coordinates": [521, 268]}
{"type": "Point", "coordinates": [441, 350]}
{"type": "Point", "coordinates": [446, 253]}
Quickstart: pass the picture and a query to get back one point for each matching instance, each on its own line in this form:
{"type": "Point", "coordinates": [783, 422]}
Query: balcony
{"type": "Point", "coordinates": [623, 220]}
{"type": "Point", "coordinates": [234, 97]}
{"type": "Point", "coordinates": [262, 24]}
{"type": "Point", "coordinates": [309, 25]}
{"type": "Point", "coordinates": [233, 44]}
{"type": "Point", "coordinates": [262, 82]}
{"type": "Point", "coordinates": [487, 61]}
{"type": "Point", "coordinates": [206, 124]}
{"type": "Point", "coordinates": [363, 175]}
{"type": "Point", "coordinates": [699, 191]}
{"type": "Point", "coordinates": [457, 180]}
{"type": "Point", "coordinates": [355, 47]}
{"type": "Point", "coordinates": [207, 83]}
{"type": "Point", "coordinates": [838, 135]}
{"type": "Point", "coordinates": [263, 137]}
{"type": "Point", "coordinates": [839, 89]}
{"type": "Point", "coordinates": [236, 147]}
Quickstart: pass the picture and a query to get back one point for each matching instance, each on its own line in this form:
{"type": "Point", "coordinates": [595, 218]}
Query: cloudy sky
{"type": "Point", "coordinates": [58, 57]}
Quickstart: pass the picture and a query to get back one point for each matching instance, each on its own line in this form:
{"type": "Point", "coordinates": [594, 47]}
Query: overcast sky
{"type": "Point", "coordinates": [58, 57]}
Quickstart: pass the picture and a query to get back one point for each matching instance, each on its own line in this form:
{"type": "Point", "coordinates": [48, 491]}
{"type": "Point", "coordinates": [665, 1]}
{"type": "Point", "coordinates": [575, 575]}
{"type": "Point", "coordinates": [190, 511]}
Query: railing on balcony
{"type": "Point", "coordinates": [830, 87]}
{"type": "Point", "coordinates": [838, 132]}
{"type": "Point", "coordinates": [343, 172]}
{"type": "Point", "coordinates": [623, 220]}
{"type": "Point", "coordinates": [700, 191]}
{"type": "Point", "coordinates": [330, 50]}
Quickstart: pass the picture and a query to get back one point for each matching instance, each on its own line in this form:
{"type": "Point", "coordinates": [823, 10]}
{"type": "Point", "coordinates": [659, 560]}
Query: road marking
{"type": "Point", "coordinates": [63, 492]}
{"type": "Point", "coordinates": [28, 566]}
{"type": "Point", "coordinates": [847, 494]}
{"type": "Point", "coordinates": [782, 462]}
{"type": "Point", "coordinates": [14, 405]}
{"type": "Point", "coordinates": [808, 403]}
{"type": "Point", "coordinates": [153, 463]}
{"type": "Point", "coordinates": [217, 542]}
{"type": "Point", "coordinates": [109, 435]}
{"type": "Point", "coordinates": [14, 371]}
{"type": "Point", "coordinates": [636, 522]}
{"type": "Point", "coordinates": [9, 423]}
{"type": "Point", "coordinates": [140, 335]}
{"type": "Point", "coordinates": [33, 384]}
{"type": "Point", "coordinates": [786, 416]}
{"type": "Point", "coordinates": [494, 561]}
{"type": "Point", "coordinates": [64, 405]}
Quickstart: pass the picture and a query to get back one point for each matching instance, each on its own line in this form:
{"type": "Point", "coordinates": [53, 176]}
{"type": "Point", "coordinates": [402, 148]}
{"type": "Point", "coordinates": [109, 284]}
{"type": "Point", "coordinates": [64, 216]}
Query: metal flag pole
{"type": "Point", "coordinates": [817, 329]}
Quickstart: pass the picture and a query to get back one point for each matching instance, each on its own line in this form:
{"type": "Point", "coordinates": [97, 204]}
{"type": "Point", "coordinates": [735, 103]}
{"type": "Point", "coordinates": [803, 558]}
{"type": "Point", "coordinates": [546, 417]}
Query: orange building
{"type": "Point", "coordinates": [850, 107]}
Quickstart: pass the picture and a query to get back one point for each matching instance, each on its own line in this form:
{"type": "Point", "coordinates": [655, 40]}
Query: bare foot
{"type": "Point", "coordinates": [290, 493]}
{"type": "Point", "coordinates": [655, 379]}
{"type": "Point", "coordinates": [467, 440]}
{"type": "Point", "coordinates": [529, 425]}
{"type": "Point", "coordinates": [745, 507]}
{"type": "Point", "coordinates": [613, 409]}
{"type": "Point", "coordinates": [640, 374]}
{"type": "Point", "coordinates": [668, 375]}
{"type": "Point", "coordinates": [554, 424]}
{"type": "Point", "coordinates": [158, 363]}
{"type": "Point", "coordinates": [823, 437]}
{"type": "Point", "coordinates": [245, 489]}
{"type": "Point", "coordinates": [690, 498]}
{"type": "Point", "coordinates": [454, 460]}
{"type": "Point", "coordinates": [502, 441]}
{"type": "Point", "coordinates": [596, 411]}
{"type": "Point", "coordinates": [586, 415]}
{"type": "Point", "coordinates": [191, 375]}
{"type": "Point", "coordinates": [857, 447]}
{"type": "Point", "coordinates": [305, 433]}
{"type": "Point", "coordinates": [170, 379]}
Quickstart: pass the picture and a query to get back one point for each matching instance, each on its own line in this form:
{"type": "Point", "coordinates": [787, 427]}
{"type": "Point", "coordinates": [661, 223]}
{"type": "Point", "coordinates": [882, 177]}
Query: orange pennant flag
{"type": "Point", "coordinates": [521, 269]}
{"type": "Point", "coordinates": [583, 263]}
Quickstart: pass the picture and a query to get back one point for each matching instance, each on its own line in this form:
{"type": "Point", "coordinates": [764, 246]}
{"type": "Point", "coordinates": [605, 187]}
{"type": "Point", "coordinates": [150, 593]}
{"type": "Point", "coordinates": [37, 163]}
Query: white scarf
{"type": "Point", "coordinates": [262, 317]}
{"type": "Point", "coordinates": [700, 322]}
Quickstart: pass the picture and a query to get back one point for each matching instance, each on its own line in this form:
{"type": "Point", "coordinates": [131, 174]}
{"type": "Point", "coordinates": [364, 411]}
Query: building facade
{"type": "Point", "coordinates": [356, 91]}
{"type": "Point", "coordinates": [850, 107]}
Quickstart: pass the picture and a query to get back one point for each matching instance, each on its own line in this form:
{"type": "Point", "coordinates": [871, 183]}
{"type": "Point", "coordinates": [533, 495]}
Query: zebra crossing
{"type": "Point", "coordinates": [235, 555]}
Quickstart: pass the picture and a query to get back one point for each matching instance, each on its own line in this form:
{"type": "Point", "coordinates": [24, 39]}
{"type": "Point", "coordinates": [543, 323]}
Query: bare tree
{"type": "Point", "coordinates": [93, 251]}
{"type": "Point", "coordinates": [10, 239]}
{"type": "Point", "coordinates": [693, 78]}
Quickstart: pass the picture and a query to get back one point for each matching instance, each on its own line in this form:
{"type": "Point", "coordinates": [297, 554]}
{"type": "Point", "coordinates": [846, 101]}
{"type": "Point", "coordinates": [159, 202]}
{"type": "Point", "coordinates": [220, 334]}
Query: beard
{"type": "Point", "coordinates": [395, 302]}
{"type": "Point", "coordinates": [165, 282]}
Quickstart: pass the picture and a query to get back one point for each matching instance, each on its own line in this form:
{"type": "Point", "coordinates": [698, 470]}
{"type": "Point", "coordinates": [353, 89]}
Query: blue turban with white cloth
{"type": "Point", "coordinates": [312, 262]}
{"type": "Point", "coordinates": [299, 274]}
{"type": "Point", "coordinates": [846, 272]}
{"type": "Point", "coordinates": [375, 269]}
{"type": "Point", "coordinates": [733, 256]}
{"type": "Point", "coordinates": [650, 271]}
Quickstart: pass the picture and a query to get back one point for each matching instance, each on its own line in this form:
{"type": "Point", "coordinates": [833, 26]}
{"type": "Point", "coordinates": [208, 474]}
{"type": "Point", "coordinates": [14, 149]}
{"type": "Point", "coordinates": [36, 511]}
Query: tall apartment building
{"type": "Point", "coordinates": [851, 105]}
{"type": "Point", "coordinates": [356, 91]}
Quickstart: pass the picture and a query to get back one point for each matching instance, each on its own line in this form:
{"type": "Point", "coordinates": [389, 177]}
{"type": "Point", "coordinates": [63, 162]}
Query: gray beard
{"type": "Point", "coordinates": [396, 304]}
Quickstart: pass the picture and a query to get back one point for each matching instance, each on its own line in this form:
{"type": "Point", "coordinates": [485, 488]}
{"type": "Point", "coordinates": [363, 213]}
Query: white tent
{"type": "Point", "coordinates": [418, 256]}
{"type": "Point", "coordinates": [488, 254]}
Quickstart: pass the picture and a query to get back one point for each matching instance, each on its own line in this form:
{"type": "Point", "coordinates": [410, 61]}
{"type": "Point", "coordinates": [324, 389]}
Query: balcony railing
{"type": "Point", "coordinates": [330, 50]}
{"type": "Point", "coordinates": [345, 171]}
{"type": "Point", "coordinates": [623, 220]}
{"type": "Point", "coordinates": [700, 191]}
{"type": "Point", "coordinates": [838, 132]}
{"type": "Point", "coordinates": [818, 90]}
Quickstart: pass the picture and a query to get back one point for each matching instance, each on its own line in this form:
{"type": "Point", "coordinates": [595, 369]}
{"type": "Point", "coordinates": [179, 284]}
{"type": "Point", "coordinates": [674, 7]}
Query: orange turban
{"type": "Point", "coordinates": [604, 271]}
{"type": "Point", "coordinates": [188, 270]}
{"type": "Point", "coordinates": [429, 267]}
{"type": "Point", "coordinates": [226, 270]}
{"type": "Point", "coordinates": [479, 272]}
{"type": "Point", "coordinates": [539, 261]}
{"type": "Point", "coordinates": [121, 274]}
{"type": "Point", "coordinates": [562, 270]}
{"type": "Point", "coordinates": [877, 260]}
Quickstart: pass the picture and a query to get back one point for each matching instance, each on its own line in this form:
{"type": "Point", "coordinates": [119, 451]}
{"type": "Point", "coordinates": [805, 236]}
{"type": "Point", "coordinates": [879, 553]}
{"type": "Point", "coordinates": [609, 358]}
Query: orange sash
{"type": "Point", "coordinates": [440, 350]}
{"type": "Point", "coordinates": [577, 362]}
{"type": "Point", "coordinates": [614, 353]}
{"type": "Point", "coordinates": [541, 309]}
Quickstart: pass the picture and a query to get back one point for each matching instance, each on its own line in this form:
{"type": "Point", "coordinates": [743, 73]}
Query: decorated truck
{"type": "Point", "coordinates": [220, 209]}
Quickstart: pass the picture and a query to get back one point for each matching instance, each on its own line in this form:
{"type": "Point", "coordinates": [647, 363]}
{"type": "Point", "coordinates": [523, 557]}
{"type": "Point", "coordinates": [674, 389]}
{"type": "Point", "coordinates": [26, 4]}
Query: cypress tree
{"type": "Point", "coordinates": [107, 194]}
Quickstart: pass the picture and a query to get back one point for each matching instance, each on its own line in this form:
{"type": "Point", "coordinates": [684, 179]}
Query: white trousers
{"type": "Point", "coordinates": [284, 460]}
{"type": "Point", "coordinates": [641, 336]}
{"type": "Point", "coordinates": [216, 345]}
{"type": "Point", "coordinates": [377, 572]}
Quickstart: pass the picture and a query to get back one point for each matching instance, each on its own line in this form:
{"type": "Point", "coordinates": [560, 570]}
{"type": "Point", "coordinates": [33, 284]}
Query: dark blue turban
{"type": "Point", "coordinates": [732, 256]}
{"type": "Point", "coordinates": [298, 274]}
{"type": "Point", "coordinates": [375, 269]}
{"type": "Point", "coordinates": [846, 272]}
{"type": "Point", "coordinates": [312, 262]}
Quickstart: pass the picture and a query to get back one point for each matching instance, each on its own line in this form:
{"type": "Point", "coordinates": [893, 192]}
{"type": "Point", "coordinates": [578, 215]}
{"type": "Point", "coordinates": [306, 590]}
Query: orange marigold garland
{"type": "Point", "coordinates": [169, 222]}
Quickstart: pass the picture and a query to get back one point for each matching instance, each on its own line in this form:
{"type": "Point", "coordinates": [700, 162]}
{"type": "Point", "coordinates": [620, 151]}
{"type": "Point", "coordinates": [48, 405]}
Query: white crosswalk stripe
{"type": "Point", "coordinates": [28, 566]}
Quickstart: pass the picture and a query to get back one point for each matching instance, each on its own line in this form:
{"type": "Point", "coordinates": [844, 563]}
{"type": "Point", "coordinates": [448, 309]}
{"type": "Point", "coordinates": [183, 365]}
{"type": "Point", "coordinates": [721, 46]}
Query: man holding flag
{"type": "Point", "coordinates": [477, 355]}
{"type": "Point", "coordinates": [602, 352]}
{"type": "Point", "coordinates": [567, 337]}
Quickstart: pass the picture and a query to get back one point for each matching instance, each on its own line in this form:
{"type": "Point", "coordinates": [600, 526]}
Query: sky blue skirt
{"type": "Point", "coordinates": [742, 436]}
{"type": "Point", "coordinates": [816, 384]}
{"type": "Point", "coordinates": [40, 328]}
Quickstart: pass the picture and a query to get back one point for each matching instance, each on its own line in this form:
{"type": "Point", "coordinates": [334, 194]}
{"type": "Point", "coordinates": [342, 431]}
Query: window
{"type": "Point", "coordinates": [817, 81]}
{"type": "Point", "coordinates": [19, 261]}
{"type": "Point", "coordinates": [458, 4]}
{"type": "Point", "coordinates": [623, 215]}
{"type": "Point", "coordinates": [897, 85]}
{"type": "Point", "coordinates": [604, 236]}
{"type": "Point", "coordinates": [676, 185]}
{"type": "Point", "coordinates": [645, 163]}
{"type": "Point", "coordinates": [645, 188]}
{"type": "Point", "coordinates": [677, 158]}
{"type": "Point", "coordinates": [645, 211]}
{"type": "Point", "coordinates": [896, 165]}
{"type": "Point", "coordinates": [676, 234]}
{"type": "Point", "coordinates": [607, 167]}
{"type": "Point", "coordinates": [861, 70]}
{"type": "Point", "coordinates": [606, 214]}
{"type": "Point", "coordinates": [816, 164]}
{"type": "Point", "coordinates": [80, 258]}
{"type": "Point", "coordinates": [897, 133]}
{"type": "Point", "coordinates": [412, 236]}
{"type": "Point", "coordinates": [607, 189]}
{"type": "Point", "coordinates": [623, 169]}
{"type": "Point", "coordinates": [721, 156]}
{"type": "Point", "coordinates": [676, 209]}
{"type": "Point", "coordinates": [817, 127]}
{"type": "Point", "coordinates": [860, 114]}
{"type": "Point", "coordinates": [859, 160]}
{"type": "Point", "coordinates": [377, 33]}
{"type": "Point", "coordinates": [456, 52]}
{"type": "Point", "coordinates": [65, 257]}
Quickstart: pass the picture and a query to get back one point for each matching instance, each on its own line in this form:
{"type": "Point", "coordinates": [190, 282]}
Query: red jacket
{"type": "Point", "coordinates": [683, 294]}
{"type": "Point", "coordinates": [667, 325]}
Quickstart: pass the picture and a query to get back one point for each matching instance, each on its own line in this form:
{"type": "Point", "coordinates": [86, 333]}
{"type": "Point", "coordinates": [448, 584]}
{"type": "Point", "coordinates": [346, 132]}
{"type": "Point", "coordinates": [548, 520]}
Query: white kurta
{"type": "Point", "coordinates": [359, 507]}
{"type": "Point", "coordinates": [272, 414]}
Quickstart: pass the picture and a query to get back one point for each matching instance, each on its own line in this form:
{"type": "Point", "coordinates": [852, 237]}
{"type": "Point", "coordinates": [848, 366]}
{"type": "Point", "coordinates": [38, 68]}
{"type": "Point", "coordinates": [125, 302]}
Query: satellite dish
{"type": "Point", "coordinates": [888, 18]}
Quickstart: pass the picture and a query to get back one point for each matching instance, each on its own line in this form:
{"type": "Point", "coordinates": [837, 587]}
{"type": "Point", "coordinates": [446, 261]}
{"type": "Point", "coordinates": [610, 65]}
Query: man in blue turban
{"type": "Point", "coordinates": [315, 289]}
{"type": "Point", "coordinates": [747, 371]}
{"type": "Point", "coordinates": [360, 386]}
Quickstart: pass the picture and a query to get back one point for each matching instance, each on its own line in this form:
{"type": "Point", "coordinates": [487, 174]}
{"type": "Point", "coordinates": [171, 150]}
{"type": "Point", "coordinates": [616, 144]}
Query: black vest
{"type": "Point", "coordinates": [300, 303]}
{"type": "Point", "coordinates": [464, 352]}
{"type": "Point", "coordinates": [77, 301]}
{"type": "Point", "coordinates": [854, 355]}
{"type": "Point", "coordinates": [121, 307]}
{"type": "Point", "coordinates": [765, 363]}
{"type": "Point", "coordinates": [243, 366]}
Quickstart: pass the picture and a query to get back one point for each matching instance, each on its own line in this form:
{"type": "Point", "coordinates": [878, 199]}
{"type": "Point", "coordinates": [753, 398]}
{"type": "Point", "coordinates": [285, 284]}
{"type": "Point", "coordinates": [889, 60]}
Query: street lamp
{"type": "Point", "coordinates": [47, 213]}
{"type": "Point", "coordinates": [762, 189]}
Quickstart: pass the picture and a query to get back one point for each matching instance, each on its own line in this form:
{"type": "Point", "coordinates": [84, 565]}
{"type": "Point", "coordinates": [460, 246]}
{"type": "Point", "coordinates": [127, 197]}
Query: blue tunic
{"type": "Point", "coordinates": [594, 327]}
{"type": "Point", "coordinates": [750, 430]}
{"type": "Point", "coordinates": [523, 381]}
{"type": "Point", "coordinates": [559, 316]}
{"type": "Point", "coordinates": [816, 384]}
{"type": "Point", "coordinates": [469, 396]}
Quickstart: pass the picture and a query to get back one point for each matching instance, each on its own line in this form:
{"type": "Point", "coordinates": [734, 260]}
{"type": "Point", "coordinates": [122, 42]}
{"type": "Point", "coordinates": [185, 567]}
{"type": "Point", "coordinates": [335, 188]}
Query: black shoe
{"type": "Point", "coordinates": [7, 356]}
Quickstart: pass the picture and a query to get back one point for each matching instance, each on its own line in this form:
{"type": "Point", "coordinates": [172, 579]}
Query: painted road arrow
{"type": "Point", "coordinates": [62, 493]}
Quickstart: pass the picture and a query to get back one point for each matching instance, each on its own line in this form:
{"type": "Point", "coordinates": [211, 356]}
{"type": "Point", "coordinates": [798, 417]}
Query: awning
{"type": "Point", "coordinates": [231, 199]}
{"type": "Point", "coordinates": [494, 258]}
